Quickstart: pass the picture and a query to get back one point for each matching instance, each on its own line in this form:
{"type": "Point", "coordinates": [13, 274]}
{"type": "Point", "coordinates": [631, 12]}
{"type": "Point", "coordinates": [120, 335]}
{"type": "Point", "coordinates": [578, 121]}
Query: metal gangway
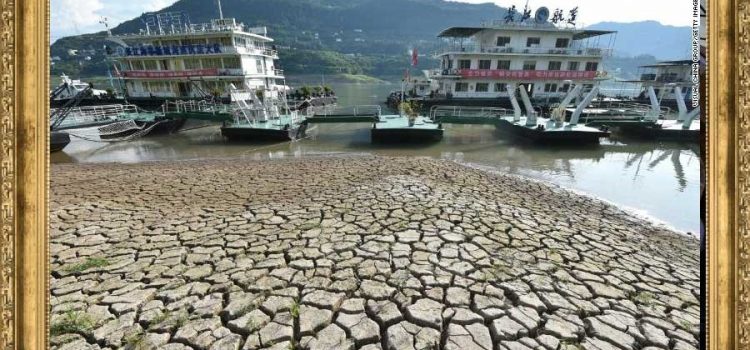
{"type": "Point", "coordinates": [468, 114]}
{"type": "Point", "coordinates": [344, 114]}
{"type": "Point", "coordinates": [83, 117]}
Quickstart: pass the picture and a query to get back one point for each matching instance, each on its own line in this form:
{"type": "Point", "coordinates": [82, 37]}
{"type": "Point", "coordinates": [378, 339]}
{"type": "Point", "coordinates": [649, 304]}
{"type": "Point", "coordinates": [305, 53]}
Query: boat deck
{"type": "Point", "coordinates": [396, 128]}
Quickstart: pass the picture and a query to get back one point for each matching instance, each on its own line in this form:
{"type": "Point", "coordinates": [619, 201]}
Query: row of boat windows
{"type": "Point", "coordinates": [502, 87]}
{"type": "Point", "coordinates": [181, 88]}
{"type": "Point", "coordinates": [224, 41]}
{"type": "Point", "coordinates": [527, 65]}
{"type": "Point", "coordinates": [560, 43]}
{"type": "Point", "coordinates": [189, 64]}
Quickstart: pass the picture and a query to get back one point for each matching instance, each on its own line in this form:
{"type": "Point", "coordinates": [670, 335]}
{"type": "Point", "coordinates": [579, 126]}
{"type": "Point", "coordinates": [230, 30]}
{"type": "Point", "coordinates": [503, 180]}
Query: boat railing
{"type": "Point", "coordinates": [468, 112]}
{"type": "Point", "coordinates": [473, 48]}
{"type": "Point", "coordinates": [189, 106]}
{"type": "Point", "coordinates": [633, 107]}
{"type": "Point", "coordinates": [88, 114]}
{"type": "Point", "coordinates": [349, 111]}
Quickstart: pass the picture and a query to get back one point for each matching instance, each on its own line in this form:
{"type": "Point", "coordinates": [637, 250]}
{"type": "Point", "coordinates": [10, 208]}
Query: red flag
{"type": "Point", "coordinates": [414, 57]}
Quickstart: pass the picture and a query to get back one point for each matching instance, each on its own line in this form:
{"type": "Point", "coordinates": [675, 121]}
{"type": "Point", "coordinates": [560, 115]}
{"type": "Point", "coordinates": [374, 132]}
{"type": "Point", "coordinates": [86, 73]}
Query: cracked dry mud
{"type": "Point", "coordinates": [356, 253]}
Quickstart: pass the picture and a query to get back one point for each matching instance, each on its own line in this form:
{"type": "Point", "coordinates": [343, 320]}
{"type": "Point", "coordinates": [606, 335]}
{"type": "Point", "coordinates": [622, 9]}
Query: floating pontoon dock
{"type": "Point", "coordinates": [651, 126]}
{"type": "Point", "coordinates": [554, 130]}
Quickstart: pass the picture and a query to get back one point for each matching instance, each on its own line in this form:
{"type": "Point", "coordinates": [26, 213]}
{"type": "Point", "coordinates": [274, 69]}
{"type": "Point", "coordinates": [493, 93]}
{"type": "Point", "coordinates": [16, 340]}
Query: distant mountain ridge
{"type": "Point", "coordinates": [649, 38]}
{"type": "Point", "coordinates": [357, 36]}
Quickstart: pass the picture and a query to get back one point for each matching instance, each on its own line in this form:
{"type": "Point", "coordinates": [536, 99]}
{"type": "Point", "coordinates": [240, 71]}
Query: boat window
{"type": "Point", "coordinates": [529, 65]}
{"type": "Point", "coordinates": [562, 43]}
{"type": "Point", "coordinates": [482, 87]}
{"type": "Point", "coordinates": [259, 66]}
{"type": "Point", "coordinates": [212, 63]}
{"type": "Point", "coordinates": [137, 64]}
{"type": "Point", "coordinates": [464, 64]}
{"type": "Point", "coordinates": [503, 40]}
{"type": "Point", "coordinates": [573, 65]}
{"type": "Point", "coordinates": [591, 66]}
{"type": "Point", "coordinates": [501, 87]}
{"type": "Point", "coordinates": [192, 63]}
{"type": "Point", "coordinates": [484, 64]}
{"type": "Point", "coordinates": [231, 63]}
{"type": "Point", "coordinates": [550, 87]}
{"type": "Point", "coordinates": [503, 64]}
{"type": "Point", "coordinates": [150, 64]}
{"type": "Point", "coordinates": [462, 87]}
{"type": "Point", "coordinates": [564, 88]}
{"type": "Point", "coordinates": [554, 65]}
{"type": "Point", "coordinates": [533, 42]}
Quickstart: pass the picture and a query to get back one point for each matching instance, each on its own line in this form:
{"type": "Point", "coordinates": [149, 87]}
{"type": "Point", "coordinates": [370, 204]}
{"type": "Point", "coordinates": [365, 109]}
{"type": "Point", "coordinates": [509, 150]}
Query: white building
{"type": "Point", "coordinates": [664, 77]}
{"type": "Point", "coordinates": [171, 59]}
{"type": "Point", "coordinates": [479, 63]}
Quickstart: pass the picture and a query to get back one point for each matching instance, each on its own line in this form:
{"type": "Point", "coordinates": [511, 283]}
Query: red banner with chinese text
{"type": "Point", "coordinates": [527, 74]}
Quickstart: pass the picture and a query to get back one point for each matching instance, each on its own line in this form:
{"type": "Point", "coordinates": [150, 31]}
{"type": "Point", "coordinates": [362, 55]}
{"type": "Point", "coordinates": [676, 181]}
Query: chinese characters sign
{"type": "Point", "coordinates": [527, 74]}
{"type": "Point", "coordinates": [199, 49]}
{"type": "Point", "coordinates": [513, 15]}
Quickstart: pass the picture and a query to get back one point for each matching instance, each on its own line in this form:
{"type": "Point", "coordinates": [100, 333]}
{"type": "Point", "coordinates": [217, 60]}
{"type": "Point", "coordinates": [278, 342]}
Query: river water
{"type": "Point", "coordinates": [658, 180]}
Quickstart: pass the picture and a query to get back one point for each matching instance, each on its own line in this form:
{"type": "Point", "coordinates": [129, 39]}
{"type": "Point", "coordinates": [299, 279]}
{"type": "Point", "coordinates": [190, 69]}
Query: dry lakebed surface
{"type": "Point", "coordinates": [356, 252]}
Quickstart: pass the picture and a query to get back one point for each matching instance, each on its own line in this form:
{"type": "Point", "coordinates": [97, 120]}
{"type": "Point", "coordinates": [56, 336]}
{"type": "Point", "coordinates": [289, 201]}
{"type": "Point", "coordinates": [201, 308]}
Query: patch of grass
{"type": "Point", "coordinates": [568, 344]}
{"type": "Point", "coordinates": [72, 322]}
{"type": "Point", "coordinates": [89, 263]}
{"type": "Point", "coordinates": [250, 324]}
{"type": "Point", "coordinates": [136, 341]}
{"type": "Point", "coordinates": [309, 225]}
{"type": "Point", "coordinates": [161, 317]}
{"type": "Point", "coordinates": [180, 321]}
{"type": "Point", "coordinates": [645, 298]}
{"type": "Point", "coordinates": [294, 309]}
{"type": "Point", "coordinates": [685, 325]}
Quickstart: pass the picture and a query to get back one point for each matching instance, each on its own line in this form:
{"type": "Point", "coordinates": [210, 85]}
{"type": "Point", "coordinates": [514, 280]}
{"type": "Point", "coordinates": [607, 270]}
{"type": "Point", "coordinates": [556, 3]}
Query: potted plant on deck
{"type": "Point", "coordinates": [410, 110]}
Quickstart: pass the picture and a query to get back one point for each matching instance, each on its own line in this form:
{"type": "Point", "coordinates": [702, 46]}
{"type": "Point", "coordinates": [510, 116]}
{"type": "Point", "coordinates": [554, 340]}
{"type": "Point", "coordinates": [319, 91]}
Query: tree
{"type": "Point", "coordinates": [306, 92]}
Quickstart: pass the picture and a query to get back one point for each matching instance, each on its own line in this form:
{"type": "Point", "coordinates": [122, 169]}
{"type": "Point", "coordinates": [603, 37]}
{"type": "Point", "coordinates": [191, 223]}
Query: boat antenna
{"type": "Point", "coordinates": [221, 14]}
{"type": "Point", "coordinates": [103, 21]}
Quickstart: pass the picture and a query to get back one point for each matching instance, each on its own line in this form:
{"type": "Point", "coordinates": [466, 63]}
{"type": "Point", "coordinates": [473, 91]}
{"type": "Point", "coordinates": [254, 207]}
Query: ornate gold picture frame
{"type": "Point", "coordinates": [24, 46]}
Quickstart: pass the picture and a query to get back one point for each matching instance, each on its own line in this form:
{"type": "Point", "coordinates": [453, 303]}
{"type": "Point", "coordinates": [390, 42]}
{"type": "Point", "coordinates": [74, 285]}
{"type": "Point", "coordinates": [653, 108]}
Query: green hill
{"type": "Point", "coordinates": [370, 37]}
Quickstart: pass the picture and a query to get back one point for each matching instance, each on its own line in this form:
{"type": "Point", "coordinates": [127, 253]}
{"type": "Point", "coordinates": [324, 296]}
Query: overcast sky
{"type": "Point", "coordinates": [72, 17]}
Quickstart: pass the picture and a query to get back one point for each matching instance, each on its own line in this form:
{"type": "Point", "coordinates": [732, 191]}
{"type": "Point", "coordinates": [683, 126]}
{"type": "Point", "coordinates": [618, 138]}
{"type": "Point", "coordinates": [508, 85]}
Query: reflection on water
{"type": "Point", "coordinates": [657, 179]}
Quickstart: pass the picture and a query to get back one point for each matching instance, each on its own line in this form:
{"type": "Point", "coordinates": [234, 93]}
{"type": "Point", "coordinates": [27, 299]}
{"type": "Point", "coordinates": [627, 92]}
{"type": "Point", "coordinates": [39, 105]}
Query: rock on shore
{"type": "Point", "coordinates": [355, 253]}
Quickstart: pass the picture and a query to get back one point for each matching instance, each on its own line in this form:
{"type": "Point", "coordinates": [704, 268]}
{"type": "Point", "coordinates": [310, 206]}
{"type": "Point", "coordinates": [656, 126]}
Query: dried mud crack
{"type": "Point", "coordinates": [355, 253]}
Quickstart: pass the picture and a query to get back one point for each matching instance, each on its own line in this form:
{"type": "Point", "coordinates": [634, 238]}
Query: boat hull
{"type": "Point", "coordinates": [244, 133]}
{"type": "Point", "coordinates": [572, 137]}
{"type": "Point", "coordinates": [655, 132]}
{"type": "Point", "coordinates": [405, 135]}
{"type": "Point", "coordinates": [58, 140]}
